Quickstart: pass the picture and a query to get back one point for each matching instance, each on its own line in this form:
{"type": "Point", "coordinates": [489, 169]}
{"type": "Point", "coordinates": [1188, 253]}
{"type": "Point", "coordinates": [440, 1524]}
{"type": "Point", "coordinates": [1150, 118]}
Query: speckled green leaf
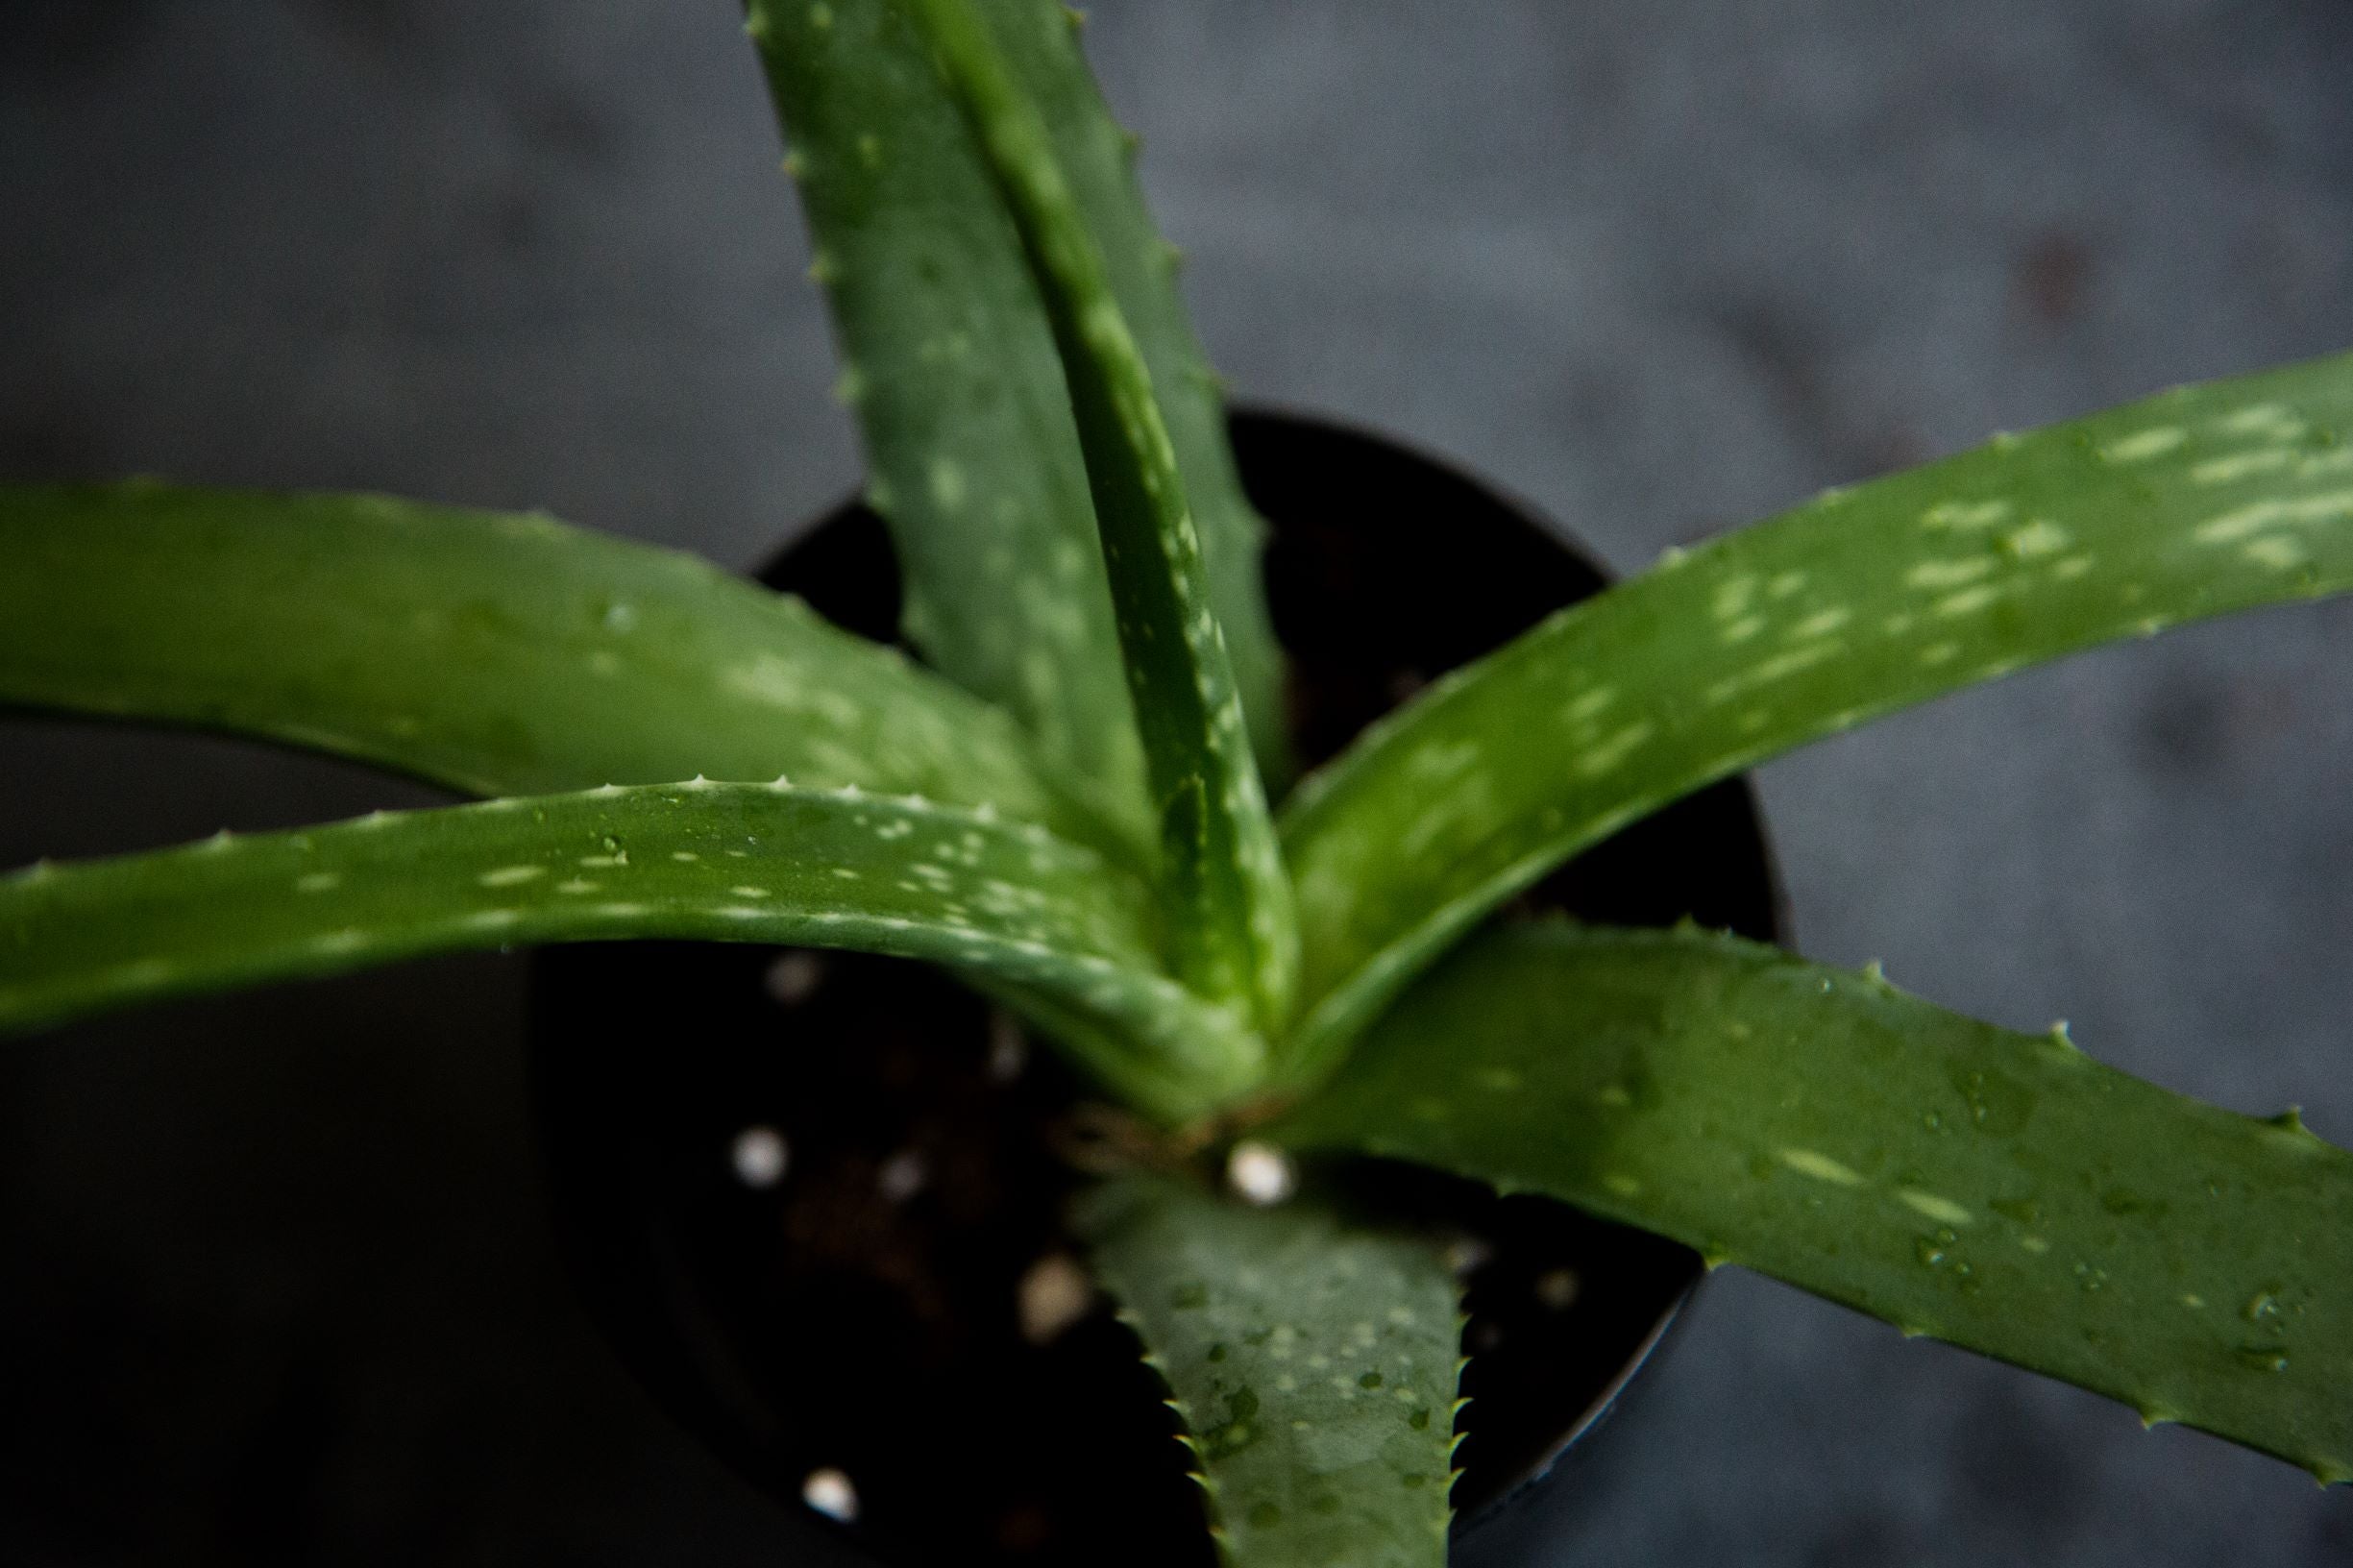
{"type": "Point", "coordinates": [1041, 41]}
{"type": "Point", "coordinates": [2190, 504]}
{"type": "Point", "coordinates": [714, 862]}
{"type": "Point", "coordinates": [1228, 903]}
{"type": "Point", "coordinates": [950, 369]}
{"type": "Point", "coordinates": [491, 652]}
{"type": "Point", "coordinates": [1312, 1361]}
{"type": "Point", "coordinates": [2002, 1192]}
{"type": "Point", "coordinates": [952, 373]}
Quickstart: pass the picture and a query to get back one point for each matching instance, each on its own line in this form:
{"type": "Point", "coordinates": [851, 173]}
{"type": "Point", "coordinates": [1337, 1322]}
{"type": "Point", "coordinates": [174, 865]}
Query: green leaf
{"type": "Point", "coordinates": [2190, 504]}
{"type": "Point", "coordinates": [1312, 1361]}
{"type": "Point", "coordinates": [2000, 1191]}
{"type": "Point", "coordinates": [953, 376]}
{"type": "Point", "coordinates": [1097, 156]}
{"type": "Point", "coordinates": [495, 653]}
{"type": "Point", "coordinates": [950, 369]}
{"type": "Point", "coordinates": [1229, 904]}
{"type": "Point", "coordinates": [711, 862]}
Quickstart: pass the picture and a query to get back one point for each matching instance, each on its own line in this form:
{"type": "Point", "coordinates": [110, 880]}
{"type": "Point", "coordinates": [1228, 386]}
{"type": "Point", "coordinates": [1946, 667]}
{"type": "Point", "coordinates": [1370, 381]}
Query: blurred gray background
{"type": "Point", "coordinates": [274, 1284]}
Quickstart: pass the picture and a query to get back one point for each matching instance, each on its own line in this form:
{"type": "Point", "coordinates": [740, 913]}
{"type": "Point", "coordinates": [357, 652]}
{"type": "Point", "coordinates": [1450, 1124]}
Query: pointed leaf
{"type": "Point", "coordinates": [1312, 1361]}
{"type": "Point", "coordinates": [950, 369]}
{"type": "Point", "coordinates": [714, 862]}
{"type": "Point", "coordinates": [1229, 904]}
{"type": "Point", "coordinates": [491, 652]}
{"type": "Point", "coordinates": [2200, 500]}
{"type": "Point", "coordinates": [1039, 38]}
{"type": "Point", "coordinates": [2000, 1191]}
{"type": "Point", "coordinates": [955, 381]}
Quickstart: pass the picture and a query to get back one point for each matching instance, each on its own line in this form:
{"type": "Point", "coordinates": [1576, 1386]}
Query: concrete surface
{"type": "Point", "coordinates": [272, 1274]}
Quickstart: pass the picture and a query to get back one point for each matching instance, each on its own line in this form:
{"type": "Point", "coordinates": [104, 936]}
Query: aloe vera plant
{"type": "Point", "coordinates": [1081, 801]}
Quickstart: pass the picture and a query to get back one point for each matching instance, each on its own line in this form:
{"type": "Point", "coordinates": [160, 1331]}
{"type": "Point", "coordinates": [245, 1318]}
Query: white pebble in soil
{"type": "Point", "coordinates": [794, 976]}
{"type": "Point", "coordinates": [829, 1492]}
{"type": "Point", "coordinates": [1008, 1051]}
{"type": "Point", "coordinates": [1055, 1293]}
{"type": "Point", "coordinates": [1261, 1173]}
{"type": "Point", "coordinates": [1466, 1255]}
{"type": "Point", "coordinates": [1557, 1288]}
{"type": "Point", "coordinates": [902, 1176]}
{"type": "Point", "coordinates": [759, 1156]}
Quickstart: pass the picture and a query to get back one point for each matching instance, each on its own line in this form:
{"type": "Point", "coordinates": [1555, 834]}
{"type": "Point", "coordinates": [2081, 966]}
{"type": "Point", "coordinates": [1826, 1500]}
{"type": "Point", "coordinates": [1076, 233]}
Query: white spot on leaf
{"type": "Point", "coordinates": [1821, 1167]}
{"type": "Point", "coordinates": [1950, 574]}
{"type": "Point", "coordinates": [2143, 444]}
{"type": "Point", "coordinates": [1943, 1210]}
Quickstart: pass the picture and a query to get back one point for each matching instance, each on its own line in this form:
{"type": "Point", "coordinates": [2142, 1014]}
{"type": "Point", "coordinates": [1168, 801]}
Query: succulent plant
{"type": "Point", "coordinates": [1081, 801]}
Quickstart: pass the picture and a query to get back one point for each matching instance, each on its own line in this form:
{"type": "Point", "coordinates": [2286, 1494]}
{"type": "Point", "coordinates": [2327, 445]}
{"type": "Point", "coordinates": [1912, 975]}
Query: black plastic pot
{"type": "Point", "coordinates": [861, 1311]}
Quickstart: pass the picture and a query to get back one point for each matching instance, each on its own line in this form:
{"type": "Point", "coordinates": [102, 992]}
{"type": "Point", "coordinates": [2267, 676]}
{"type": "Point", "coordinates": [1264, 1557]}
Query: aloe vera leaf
{"type": "Point", "coordinates": [495, 653]}
{"type": "Point", "coordinates": [1039, 38]}
{"type": "Point", "coordinates": [2000, 1191]}
{"type": "Point", "coordinates": [1230, 923]}
{"type": "Point", "coordinates": [951, 370]}
{"type": "Point", "coordinates": [949, 367]}
{"type": "Point", "coordinates": [712, 862]}
{"type": "Point", "coordinates": [2196, 501]}
{"type": "Point", "coordinates": [1312, 1361]}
